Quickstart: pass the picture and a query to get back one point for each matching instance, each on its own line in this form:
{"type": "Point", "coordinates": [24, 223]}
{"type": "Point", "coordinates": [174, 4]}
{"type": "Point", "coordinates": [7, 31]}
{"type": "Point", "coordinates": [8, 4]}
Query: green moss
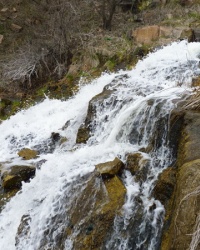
{"type": "Point", "coordinates": [69, 78]}
{"type": "Point", "coordinates": [8, 108]}
{"type": "Point", "coordinates": [110, 65]}
{"type": "Point", "coordinates": [2, 29]}
{"type": "Point", "coordinates": [144, 5]}
{"type": "Point", "coordinates": [194, 15]}
{"type": "Point", "coordinates": [42, 91]}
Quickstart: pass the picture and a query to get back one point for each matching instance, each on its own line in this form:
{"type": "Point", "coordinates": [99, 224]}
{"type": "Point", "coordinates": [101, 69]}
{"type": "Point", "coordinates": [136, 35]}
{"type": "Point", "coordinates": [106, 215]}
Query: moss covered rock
{"type": "Point", "coordinates": [13, 179]}
{"type": "Point", "coordinates": [8, 106]}
{"type": "Point", "coordinates": [28, 154]}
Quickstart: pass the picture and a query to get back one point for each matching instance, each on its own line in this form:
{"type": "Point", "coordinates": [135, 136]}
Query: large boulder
{"type": "Point", "coordinates": [147, 34]}
{"type": "Point", "coordinates": [110, 168]}
{"type": "Point", "coordinates": [13, 179]}
{"type": "Point", "coordinates": [109, 200]}
{"type": "Point", "coordinates": [85, 217]}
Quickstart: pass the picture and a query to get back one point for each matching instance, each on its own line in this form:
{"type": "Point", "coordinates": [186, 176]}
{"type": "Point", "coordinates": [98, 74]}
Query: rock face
{"type": "Point", "coordinates": [183, 214]}
{"type": "Point", "coordinates": [165, 186]}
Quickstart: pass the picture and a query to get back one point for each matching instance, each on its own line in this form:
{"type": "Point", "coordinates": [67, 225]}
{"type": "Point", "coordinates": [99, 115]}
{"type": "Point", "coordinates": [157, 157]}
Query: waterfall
{"type": "Point", "coordinates": [134, 118]}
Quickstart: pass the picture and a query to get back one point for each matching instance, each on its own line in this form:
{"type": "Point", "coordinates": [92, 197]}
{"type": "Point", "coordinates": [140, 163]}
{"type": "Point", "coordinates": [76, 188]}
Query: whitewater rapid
{"type": "Point", "coordinates": [163, 76]}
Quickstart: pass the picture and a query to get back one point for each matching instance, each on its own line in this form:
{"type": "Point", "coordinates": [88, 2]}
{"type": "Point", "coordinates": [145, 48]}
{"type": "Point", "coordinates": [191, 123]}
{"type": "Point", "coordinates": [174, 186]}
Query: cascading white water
{"type": "Point", "coordinates": [127, 121]}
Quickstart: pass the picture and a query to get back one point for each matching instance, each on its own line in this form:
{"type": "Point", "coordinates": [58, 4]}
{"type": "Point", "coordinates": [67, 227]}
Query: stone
{"type": "Point", "coordinates": [138, 166]}
{"type": "Point", "coordinates": [165, 31]}
{"type": "Point", "coordinates": [197, 34]}
{"type": "Point", "coordinates": [85, 130]}
{"type": "Point", "coordinates": [1, 38]}
{"type": "Point", "coordinates": [196, 82]}
{"type": "Point", "coordinates": [15, 27]}
{"type": "Point", "coordinates": [106, 204]}
{"type": "Point", "coordinates": [13, 179]}
{"type": "Point", "coordinates": [28, 154]}
{"type": "Point", "coordinates": [165, 185]}
{"type": "Point", "coordinates": [110, 168]}
{"type": "Point", "coordinates": [147, 34]}
{"type": "Point", "coordinates": [4, 10]}
{"type": "Point", "coordinates": [83, 134]}
{"type": "Point", "coordinates": [55, 137]}
{"type": "Point", "coordinates": [176, 33]}
{"type": "Point", "coordinates": [187, 34]}
{"type": "Point", "coordinates": [23, 228]}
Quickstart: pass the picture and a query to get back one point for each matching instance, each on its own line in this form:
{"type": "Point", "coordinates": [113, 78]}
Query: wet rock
{"type": "Point", "coordinates": [49, 145]}
{"type": "Point", "coordinates": [85, 130]}
{"type": "Point", "coordinates": [6, 196]}
{"type": "Point", "coordinates": [182, 215]}
{"type": "Point", "coordinates": [182, 218]}
{"type": "Point", "coordinates": [28, 154]}
{"type": "Point", "coordinates": [99, 200]}
{"type": "Point", "coordinates": [176, 124]}
{"type": "Point", "coordinates": [108, 201]}
{"type": "Point", "coordinates": [165, 185]}
{"type": "Point", "coordinates": [138, 166]}
{"type": "Point", "coordinates": [110, 168]}
{"type": "Point", "coordinates": [55, 137]}
{"type": "Point", "coordinates": [13, 179]}
{"type": "Point", "coordinates": [83, 134]}
{"type": "Point", "coordinates": [23, 228]}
